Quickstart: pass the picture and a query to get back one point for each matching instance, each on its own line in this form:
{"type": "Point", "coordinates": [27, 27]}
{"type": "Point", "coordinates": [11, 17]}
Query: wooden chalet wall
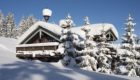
{"type": "Point", "coordinates": [109, 35]}
{"type": "Point", "coordinates": [39, 40]}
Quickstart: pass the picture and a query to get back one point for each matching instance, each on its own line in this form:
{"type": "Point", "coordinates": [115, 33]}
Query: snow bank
{"type": "Point", "coordinates": [12, 68]}
{"type": "Point", "coordinates": [8, 43]}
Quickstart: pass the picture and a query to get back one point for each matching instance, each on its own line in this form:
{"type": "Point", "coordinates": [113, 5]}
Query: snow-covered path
{"type": "Point", "coordinates": [12, 68]}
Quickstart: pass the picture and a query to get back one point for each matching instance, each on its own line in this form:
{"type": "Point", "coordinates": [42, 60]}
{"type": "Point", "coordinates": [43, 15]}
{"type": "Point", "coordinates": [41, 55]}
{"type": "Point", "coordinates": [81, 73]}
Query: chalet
{"type": "Point", "coordinates": [45, 37]}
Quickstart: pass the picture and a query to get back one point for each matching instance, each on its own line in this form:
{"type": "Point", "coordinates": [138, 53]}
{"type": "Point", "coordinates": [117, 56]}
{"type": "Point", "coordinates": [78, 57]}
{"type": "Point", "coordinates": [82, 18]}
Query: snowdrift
{"type": "Point", "coordinates": [12, 68]}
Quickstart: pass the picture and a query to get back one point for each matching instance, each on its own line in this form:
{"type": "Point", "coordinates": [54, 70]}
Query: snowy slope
{"type": "Point", "coordinates": [12, 68]}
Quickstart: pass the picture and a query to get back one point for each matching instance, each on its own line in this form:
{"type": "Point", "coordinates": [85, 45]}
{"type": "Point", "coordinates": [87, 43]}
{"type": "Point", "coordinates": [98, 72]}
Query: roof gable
{"type": "Point", "coordinates": [40, 36]}
{"type": "Point", "coordinates": [45, 27]}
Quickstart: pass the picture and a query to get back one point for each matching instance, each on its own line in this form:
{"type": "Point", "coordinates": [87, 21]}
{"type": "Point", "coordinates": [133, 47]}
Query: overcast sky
{"type": "Point", "coordinates": [98, 11]}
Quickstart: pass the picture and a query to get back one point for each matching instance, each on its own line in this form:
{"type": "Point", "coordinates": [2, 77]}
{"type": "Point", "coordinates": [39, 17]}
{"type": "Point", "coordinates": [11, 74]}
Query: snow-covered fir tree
{"type": "Point", "coordinates": [129, 38]}
{"type": "Point", "coordinates": [22, 26]}
{"type": "Point", "coordinates": [86, 58]}
{"type": "Point", "coordinates": [10, 26]}
{"type": "Point", "coordinates": [68, 43]}
{"type": "Point", "coordinates": [15, 33]}
{"type": "Point", "coordinates": [1, 23]}
{"type": "Point", "coordinates": [31, 20]}
{"type": "Point", "coordinates": [96, 56]}
{"type": "Point", "coordinates": [104, 59]}
{"type": "Point", "coordinates": [25, 24]}
{"type": "Point", "coordinates": [128, 56]}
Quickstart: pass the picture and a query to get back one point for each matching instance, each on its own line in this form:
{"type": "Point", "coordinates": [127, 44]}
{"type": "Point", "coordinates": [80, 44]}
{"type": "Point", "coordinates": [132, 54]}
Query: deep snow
{"type": "Point", "coordinates": [12, 68]}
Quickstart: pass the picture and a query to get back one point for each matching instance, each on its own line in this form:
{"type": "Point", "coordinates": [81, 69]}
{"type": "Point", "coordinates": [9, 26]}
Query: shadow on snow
{"type": "Point", "coordinates": [27, 70]}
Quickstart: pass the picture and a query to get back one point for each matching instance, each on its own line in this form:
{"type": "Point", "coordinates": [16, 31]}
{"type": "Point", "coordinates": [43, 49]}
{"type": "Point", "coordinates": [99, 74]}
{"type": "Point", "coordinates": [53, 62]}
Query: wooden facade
{"type": "Point", "coordinates": [37, 46]}
{"type": "Point", "coordinates": [41, 35]}
{"type": "Point", "coordinates": [109, 35]}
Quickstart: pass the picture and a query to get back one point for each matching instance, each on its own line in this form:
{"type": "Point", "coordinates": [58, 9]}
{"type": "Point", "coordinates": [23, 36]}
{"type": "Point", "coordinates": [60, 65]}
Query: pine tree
{"type": "Point", "coordinates": [10, 25]}
{"type": "Point", "coordinates": [68, 42]}
{"type": "Point", "coordinates": [25, 24]}
{"type": "Point", "coordinates": [129, 57]}
{"type": "Point", "coordinates": [1, 23]}
{"type": "Point", "coordinates": [22, 26]}
{"type": "Point", "coordinates": [15, 33]}
{"type": "Point", "coordinates": [129, 38]}
{"type": "Point", "coordinates": [96, 56]}
{"type": "Point", "coordinates": [30, 21]}
{"type": "Point", "coordinates": [86, 58]}
{"type": "Point", "coordinates": [104, 54]}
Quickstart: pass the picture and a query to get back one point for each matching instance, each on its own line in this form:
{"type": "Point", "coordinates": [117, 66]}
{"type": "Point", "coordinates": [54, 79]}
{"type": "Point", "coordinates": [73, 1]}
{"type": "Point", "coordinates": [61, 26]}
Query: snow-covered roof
{"type": "Point", "coordinates": [52, 27]}
{"type": "Point", "coordinates": [95, 29]}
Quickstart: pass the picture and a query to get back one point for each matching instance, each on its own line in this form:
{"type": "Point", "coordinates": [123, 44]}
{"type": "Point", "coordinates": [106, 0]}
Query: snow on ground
{"type": "Point", "coordinates": [12, 68]}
